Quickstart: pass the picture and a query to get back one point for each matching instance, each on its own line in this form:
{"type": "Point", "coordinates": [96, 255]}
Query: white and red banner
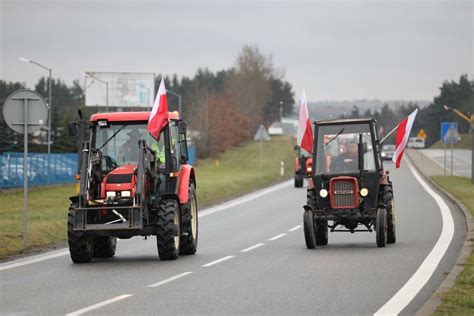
{"type": "Point", "coordinates": [403, 133]}
{"type": "Point", "coordinates": [159, 113]}
{"type": "Point", "coordinates": [304, 135]}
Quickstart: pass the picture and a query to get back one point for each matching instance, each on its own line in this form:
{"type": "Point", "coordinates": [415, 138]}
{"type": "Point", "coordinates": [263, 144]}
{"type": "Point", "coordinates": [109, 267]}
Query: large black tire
{"type": "Point", "coordinates": [104, 247]}
{"type": "Point", "coordinates": [381, 227]}
{"type": "Point", "coordinates": [80, 246]}
{"type": "Point", "coordinates": [189, 218]}
{"type": "Point", "coordinates": [389, 202]}
{"type": "Point", "coordinates": [169, 230]}
{"type": "Point", "coordinates": [298, 181]}
{"type": "Point", "coordinates": [321, 232]}
{"type": "Point", "coordinates": [308, 225]}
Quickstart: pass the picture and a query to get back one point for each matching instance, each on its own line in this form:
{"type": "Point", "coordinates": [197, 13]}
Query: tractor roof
{"type": "Point", "coordinates": [346, 121]}
{"type": "Point", "coordinates": [128, 116]}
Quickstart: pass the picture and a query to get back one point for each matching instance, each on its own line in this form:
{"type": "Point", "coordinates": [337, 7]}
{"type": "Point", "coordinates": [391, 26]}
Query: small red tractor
{"type": "Point", "coordinates": [348, 185]}
{"type": "Point", "coordinates": [303, 165]}
{"type": "Point", "coordinates": [132, 185]}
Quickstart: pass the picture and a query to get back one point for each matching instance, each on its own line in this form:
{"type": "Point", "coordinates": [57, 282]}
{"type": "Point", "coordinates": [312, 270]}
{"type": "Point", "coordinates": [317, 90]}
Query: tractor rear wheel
{"type": "Point", "coordinates": [169, 230]}
{"type": "Point", "coordinates": [381, 227]}
{"type": "Point", "coordinates": [189, 217]}
{"type": "Point", "coordinates": [388, 201]}
{"type": "Point", "coordinates": [309, 235]}
{"type": "Point", "coordinates": [80, 246]}
{"type": "Point", "coordinates": [104, 247]}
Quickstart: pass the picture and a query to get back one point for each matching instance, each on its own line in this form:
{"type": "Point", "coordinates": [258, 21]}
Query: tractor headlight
{"type": "Point", "coordinates": [309, 169]}
{"type": "Point", "coordinates": [384, 154]}
{"type": "Point", "coordinates": [110, 194]}
{"type": "Point", "coordinates": [323, 193]}
{"type": "Point", "coordinates": [125, 193]}
{"type": "Point", "coordinates": [364, 192]}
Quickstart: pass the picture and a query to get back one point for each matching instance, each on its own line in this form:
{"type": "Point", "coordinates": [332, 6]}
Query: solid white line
{"type": "Point", "coordinates": [277, 236]}
{"type": "Point", "coordinates": [244, 199]}
{"type": "Point", "coordinates": [406, 294]}
{"type": "Point", "coordinates": [208, 211]}
{"type": "Point", "coordinates": [294, 228]}
{"type": "Point", "coordinates": [170, 279]}
{"type": "Point", "coordinates": [98, 305]}
{"type": "Point", "coordinates": [217, 261]}
{"type": "Point", "coordinates": [252, 247]}
{"type": "Point", "coordinates": [30, 260]}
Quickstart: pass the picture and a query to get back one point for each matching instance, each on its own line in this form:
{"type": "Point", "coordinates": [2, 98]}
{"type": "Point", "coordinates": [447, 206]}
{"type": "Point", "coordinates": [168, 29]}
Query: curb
{"type": "Point", "coordinates": [436, 299]}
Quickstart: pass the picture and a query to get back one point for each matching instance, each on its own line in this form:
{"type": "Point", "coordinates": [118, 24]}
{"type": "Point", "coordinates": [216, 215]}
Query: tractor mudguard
{"type": "Point", "coordinates": [187, 173]}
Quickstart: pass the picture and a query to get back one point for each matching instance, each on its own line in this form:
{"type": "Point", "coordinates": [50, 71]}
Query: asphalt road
{"type": "Point", "coordinates": [461, 160]}
{"type": "Point", "coordinates": [251, 259]}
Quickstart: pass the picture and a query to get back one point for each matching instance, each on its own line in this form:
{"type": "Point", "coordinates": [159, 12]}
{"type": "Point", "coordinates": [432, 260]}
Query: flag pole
{"type": "Point", "coordinates": [390, 133]}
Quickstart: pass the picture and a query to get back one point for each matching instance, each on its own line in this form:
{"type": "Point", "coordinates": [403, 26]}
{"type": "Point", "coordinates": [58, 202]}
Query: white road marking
{"type": "Point", "coordinates": [170, 279]}
{"type": "Point", "coordinates": [406, 294]}
{"type": "Point", "coordinates": [252, 247]}
{"type": "Point", "coordinates": [34, 259]}
{"type": "Point", "coordinates": [277, 236]}
{"type": "Point", "coordinates": [244, 199]}
{"type": "Point", "coordinates": [205, 212]}
{"type": "Point", "coordinates": [98, 305]}
{"type": "Point", "coordinates": [217, 261]}
{"type": "Point", "coordinates": [295, 228]}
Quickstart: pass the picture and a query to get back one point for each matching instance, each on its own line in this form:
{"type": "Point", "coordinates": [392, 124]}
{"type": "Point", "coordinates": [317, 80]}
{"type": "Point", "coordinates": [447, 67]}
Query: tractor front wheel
{"type": "Point", "coordinates": [169, 230]}
{"type": "Point", "coordinates": [321, 232]}
{"type": "Point", "coordinates": [298, 181]}
{"type": "Point", "coordinates": [104, 247]}
{"type": "Point", "coordinates": [189, 217]}
{"type": "Point", "coordinates": [80, 246]}
{"type": "Point", "coordinates": [309, 235]}
{"type": "Point", "coordinates": [381, 227]}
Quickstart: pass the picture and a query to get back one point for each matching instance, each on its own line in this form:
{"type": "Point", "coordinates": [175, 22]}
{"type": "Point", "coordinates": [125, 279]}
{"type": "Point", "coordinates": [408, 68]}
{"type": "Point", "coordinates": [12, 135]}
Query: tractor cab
{"type": "Point", "coordinates": [348, 187]}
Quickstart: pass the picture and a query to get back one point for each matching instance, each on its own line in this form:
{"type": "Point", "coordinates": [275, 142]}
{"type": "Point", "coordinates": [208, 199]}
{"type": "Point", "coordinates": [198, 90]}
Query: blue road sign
{"type": "Point", "coordinates": [449, 132]}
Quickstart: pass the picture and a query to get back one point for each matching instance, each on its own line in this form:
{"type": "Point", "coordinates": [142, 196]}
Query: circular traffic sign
{"type": "Point", "coordinates": [25, 100]}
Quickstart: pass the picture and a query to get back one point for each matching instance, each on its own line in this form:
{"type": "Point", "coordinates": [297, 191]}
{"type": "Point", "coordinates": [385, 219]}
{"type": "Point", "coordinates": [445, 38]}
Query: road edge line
{"type": "Point", "coordinates": [425, 271]}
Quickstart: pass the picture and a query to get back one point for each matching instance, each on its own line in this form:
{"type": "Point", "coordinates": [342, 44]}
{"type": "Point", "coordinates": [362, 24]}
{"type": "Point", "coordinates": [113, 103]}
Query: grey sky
{"type": "Point", "coordinates": [336, 50]}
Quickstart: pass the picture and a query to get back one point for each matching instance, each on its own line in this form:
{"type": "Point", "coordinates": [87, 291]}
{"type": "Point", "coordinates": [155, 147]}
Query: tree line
{"type": "Point", "coordinates": [222, 108]}
{"type": "Point", "coordinates": [459, 95]}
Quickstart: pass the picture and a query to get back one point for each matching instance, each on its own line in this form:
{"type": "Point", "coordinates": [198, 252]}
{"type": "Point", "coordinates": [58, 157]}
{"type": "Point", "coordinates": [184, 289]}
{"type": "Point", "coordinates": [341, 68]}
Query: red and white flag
{"type": "Point", "coordinates": [159, 113]}
{"type": "Point", "coordinates": [304, 135]}
{"type": "Point", "coordinates": [403, 133]}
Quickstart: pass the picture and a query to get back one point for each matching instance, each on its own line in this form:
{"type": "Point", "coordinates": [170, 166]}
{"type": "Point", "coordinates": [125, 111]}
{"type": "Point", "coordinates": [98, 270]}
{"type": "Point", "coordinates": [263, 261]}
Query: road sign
{"type": "Point", "coordinates": [261, 134]}
{"type": "Point", "coordinates": [422, 134]}
{"type": "Point", "coordinates": [449, 132]}
{"type": "Point", "coordinates": [25, 111]}
{"type": "Point", "coordinates": [23, 102]}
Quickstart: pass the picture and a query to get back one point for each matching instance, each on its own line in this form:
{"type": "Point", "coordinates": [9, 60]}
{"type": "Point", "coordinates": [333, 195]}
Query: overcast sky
{"type": "Point", "coordinates": [335, 50]}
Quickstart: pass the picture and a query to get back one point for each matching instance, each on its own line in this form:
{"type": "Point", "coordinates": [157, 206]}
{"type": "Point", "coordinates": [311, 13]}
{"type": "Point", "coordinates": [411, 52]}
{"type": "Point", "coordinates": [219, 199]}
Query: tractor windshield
{"type": "Point", "coordinates": [123, 147]}
{"type": "Point", "coordinates": [337, 149]}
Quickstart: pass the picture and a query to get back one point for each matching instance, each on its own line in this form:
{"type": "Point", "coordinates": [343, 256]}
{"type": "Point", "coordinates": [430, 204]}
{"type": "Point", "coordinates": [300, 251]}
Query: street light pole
{"type": "Point", "coordinates": [49, 99]}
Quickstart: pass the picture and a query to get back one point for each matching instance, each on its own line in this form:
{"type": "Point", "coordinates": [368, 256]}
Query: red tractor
{"type": "Point", "coordinates": [303, 166]}
{"type": "Point", "coordinates": [132, 185]}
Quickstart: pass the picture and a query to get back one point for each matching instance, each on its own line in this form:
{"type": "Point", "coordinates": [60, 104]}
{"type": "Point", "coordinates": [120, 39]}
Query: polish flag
{"type": "Point", "coordinates": [304, 135]}
{"type": "Point", "coordinates": [159, 113]}
{"type": "Point", "coordinates": [403, 133]}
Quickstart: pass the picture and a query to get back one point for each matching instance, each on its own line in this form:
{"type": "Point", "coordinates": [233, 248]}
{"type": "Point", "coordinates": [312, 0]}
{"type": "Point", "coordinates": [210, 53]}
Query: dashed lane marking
{"type": "Point", "coordinates": [170, 279]}
{"type": "Point", "coordinates": [217, 261]}
{"type": "Point", "coordinates": [252, 247]}
{"type": "Point", "coordinates": [277, 236]}
{"type": "Point", "coordinates": [294, 228]}
{"type": "Point", "coordinates": [99, 305]}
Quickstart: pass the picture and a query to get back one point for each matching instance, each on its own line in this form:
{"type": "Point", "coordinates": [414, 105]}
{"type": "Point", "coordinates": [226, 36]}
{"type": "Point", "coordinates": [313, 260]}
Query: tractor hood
{"type": "Point", "coordinates": [120, 179]}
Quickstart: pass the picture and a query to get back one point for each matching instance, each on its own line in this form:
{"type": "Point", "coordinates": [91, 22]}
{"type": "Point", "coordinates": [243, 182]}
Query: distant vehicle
{"type": "Point", "coordinates": [416, 142]}
{"type": "Point", "coordinates": [387, 152]}
{"type": "Point", "coordinates": [303, 164]}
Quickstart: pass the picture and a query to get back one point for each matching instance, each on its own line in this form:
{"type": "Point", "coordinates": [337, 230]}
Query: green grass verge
{"type": "Point", "coordinates": [465, 143]}
{"type": "Point", "coordinates": [459, 300]}
{"type": "Point", "coordinates": [234, 173]}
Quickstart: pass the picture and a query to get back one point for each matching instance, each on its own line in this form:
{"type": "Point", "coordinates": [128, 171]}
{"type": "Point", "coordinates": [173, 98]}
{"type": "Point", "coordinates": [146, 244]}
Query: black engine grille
{"type": "Point", "coordinates": [343, 191]}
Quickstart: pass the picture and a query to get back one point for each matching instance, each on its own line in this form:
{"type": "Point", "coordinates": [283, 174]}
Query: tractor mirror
{"type": "Point", "coordinates": [182, 127]}
{"type": "Point", "coordinates": [72, 129]}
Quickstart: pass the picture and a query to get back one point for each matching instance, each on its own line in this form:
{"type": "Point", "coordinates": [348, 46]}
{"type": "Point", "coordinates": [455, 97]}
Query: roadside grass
{"type": "Point", "coordinates": [234, 173]}
{"type": "Point", "coordinates": [459, 300]}
{"type": "Point", "coordinates": [464, 143]}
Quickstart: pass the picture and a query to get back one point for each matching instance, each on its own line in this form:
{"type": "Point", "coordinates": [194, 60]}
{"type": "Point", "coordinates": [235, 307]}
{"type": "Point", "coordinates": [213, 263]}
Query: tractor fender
{"type": "Point", "coordinates": [186, 175]}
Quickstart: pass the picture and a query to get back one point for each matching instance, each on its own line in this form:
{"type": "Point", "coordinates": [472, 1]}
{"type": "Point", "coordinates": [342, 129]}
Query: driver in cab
{"type": "Point", "coordinates": [346, 162]}
{"type": "Point", "coordinates": [128, 152]}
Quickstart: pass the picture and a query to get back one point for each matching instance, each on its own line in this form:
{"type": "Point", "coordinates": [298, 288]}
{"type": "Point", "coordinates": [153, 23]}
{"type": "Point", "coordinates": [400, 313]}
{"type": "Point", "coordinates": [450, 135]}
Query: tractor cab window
{"type": "Point", "coordinates": [175, 151]}
{"type": "Point", "coordinates": [123, 147]}
{"type": "Point", "coordinates": [337, 149]}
